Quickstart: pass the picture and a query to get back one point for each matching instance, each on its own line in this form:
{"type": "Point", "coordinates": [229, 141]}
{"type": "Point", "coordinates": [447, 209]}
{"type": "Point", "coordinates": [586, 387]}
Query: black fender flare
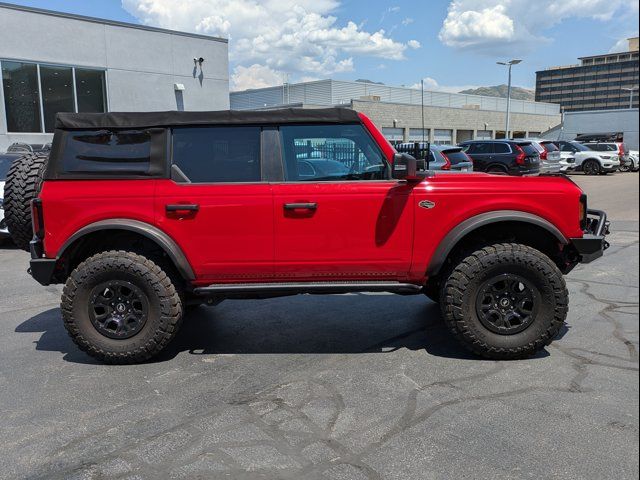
{"type": "Point", "coordinates": [463, 229]}
{"type": "Point", "coordinates": [164, 241]}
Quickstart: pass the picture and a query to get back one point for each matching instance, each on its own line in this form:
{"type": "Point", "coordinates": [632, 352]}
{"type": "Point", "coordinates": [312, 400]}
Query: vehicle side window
{"type": "Point", "coordinates": [105, 151]}
{"type": "Point", "coordinates": [502, 148]}
{"type": "Point", "coordinates": [218, 154]}
{"type": "Point", "coordinates": [567, 148]}
{"type": "Point", "coordinates": [480, 149]}
{"type": "Point", "coordinates": [331, 153]}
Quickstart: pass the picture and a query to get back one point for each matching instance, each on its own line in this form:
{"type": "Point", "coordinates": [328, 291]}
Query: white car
{"type": "Point", "coordinates": [634, 157]}
{"type": "Point", "coordinates": [587, 160]}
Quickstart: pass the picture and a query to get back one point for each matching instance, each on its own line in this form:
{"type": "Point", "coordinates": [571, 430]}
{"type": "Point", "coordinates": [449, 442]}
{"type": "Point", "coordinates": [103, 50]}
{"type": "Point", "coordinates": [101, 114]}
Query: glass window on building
{"type": "Point", "coordinates": [443, 137]}
{"type": "Point", "coordinates": [90, 91]}
{"type": "Point", "coordinates": [484, 135]}
{"type": "Point", "coordinates": [418, 135]}
{"type": "Point", "coordinates": [394, 135]}
{"type": "Point", "coordinates": [21, 98]}
{"type": "Point", "coordinates": [57, 93]}
{"type": "Point", "coordinates": [24, 90]}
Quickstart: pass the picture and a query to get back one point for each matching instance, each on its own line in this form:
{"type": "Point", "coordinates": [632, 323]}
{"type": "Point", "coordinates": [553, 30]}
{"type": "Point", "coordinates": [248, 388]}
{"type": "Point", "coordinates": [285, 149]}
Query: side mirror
{"type": "Point", "coordinates": [405, 167]}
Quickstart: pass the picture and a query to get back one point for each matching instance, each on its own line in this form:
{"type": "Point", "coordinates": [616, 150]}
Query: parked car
{"type": "Point", "coordinates": [618, 149]}
{"type": "Point", "coordinates": [142, 214]}
{"type": "Point", "coordinates": [550, 158]}
{"type": "Point", "coordinates": [634, 157]}
{"type": "Point", "coordinates": [512, 157]}
{"type": "Point", "coordinates": [587, 160]}
{"type": "Point", "coordinates": [441, 157]}
{"type": "Point", "coordinates": [5, 164]}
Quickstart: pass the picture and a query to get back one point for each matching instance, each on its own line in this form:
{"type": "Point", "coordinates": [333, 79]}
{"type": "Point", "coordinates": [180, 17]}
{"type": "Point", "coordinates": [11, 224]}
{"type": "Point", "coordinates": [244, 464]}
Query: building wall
{"type": "Point", "coordinates": [335, 92]}
{"type": "Point", "coordinates": [599, 121]}
{"type": "Point", "coordinates": [461, 121]}
{"type": "Point", "coordinates": [597, 83]}
{"type": "Point", "coordinates": [142, 65]}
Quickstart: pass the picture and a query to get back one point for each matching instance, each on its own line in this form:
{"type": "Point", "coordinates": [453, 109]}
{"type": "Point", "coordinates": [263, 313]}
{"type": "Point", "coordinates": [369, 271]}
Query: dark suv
{"type": "Point", "coordinates": [510, 157]}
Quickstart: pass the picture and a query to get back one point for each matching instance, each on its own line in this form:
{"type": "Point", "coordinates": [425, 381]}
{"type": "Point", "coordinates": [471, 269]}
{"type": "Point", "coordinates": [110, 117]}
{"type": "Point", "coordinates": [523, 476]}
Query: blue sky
{"type": "Point", "coordinates": [451, 44]}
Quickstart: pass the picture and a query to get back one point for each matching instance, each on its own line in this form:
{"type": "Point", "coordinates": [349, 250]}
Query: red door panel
{"type": "Point", "coordinates": [230, 236]}
{"type": "Point", "coordinates": [358, 230]}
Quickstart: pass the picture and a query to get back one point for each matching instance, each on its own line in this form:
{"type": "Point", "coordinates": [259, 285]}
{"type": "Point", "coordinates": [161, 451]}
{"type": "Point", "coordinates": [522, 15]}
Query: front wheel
{"type": "Point", "coordinates": [591, 167]}
{"type": "Point", "coordinates": [505, 301]}
{"type": "Point", "coordinates": [120, 307]}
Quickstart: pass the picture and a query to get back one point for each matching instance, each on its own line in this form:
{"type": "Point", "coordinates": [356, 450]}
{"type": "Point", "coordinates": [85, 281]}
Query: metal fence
{"type": "Point", "coordinates": [334, 92]}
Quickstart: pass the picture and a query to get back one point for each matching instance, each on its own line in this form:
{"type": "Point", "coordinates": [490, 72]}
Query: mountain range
{"type": "Point", "coordinates": [517, 93]}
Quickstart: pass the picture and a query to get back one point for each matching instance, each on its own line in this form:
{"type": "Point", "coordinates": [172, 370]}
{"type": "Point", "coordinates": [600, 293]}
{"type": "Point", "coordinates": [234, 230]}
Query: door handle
{"type": "Point", "coordinates": [300, 206]}
{"type": "Point", "coordinates": [182, 208]}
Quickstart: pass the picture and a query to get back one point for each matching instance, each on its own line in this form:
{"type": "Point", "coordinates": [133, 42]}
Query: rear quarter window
{"type": "Point", "coordinates": [456, 157]}
{"type": "Point", "coordinates": [107, 152]}
{"type": "Point", "coordinates": [550, 146]}
{"type": "Point", "coordinates": [502, 148]}
{"type": "Point", "coordinates": [529, 149]}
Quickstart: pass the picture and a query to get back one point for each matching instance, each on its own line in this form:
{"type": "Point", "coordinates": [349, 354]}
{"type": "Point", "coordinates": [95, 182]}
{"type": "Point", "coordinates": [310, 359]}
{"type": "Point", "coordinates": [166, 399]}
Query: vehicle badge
{"type": "Point", "coordinates": [426, 204]}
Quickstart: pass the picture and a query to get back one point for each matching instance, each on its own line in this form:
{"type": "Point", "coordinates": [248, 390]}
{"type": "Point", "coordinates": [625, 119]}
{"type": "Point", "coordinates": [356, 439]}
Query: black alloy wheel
{"type": "Point", "coordinates": [118, 309]}
{"type": "Point", "coordinates": [507, 304]}
{"type": "Point", "coordinates": [591, 167]}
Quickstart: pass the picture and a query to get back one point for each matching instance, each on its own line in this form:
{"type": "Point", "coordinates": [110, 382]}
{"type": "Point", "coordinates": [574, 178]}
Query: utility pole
{"type": "Point", "coordinates": [509, 64]}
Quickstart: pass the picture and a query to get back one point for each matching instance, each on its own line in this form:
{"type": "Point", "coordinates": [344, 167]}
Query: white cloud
{"type": "Point", "coordinates": [432, 85]}
{"type": "Point", "coordinates": [414, 44]}
{"type": "Point", "coordinates": [255, 76]}
{"type": "Point", "coordinates": [498, 26]}
{"type": "Point", "coordinates": [464, 28]}
{"type": "Point", "coordinates": [407, 21]}
{"type": "Point", "coordinates": [299, 37]}
{"type": "Point", "coordinates": [622, 45]}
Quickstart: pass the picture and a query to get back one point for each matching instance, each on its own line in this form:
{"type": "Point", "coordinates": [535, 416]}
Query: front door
{"type": "Point", "coordinates": [338, 216]}
{"type": "Point", "coordinates": [217, 206]}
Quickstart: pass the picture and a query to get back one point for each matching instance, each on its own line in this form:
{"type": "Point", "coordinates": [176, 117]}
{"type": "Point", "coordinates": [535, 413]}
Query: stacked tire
{"type": "Point", "coordinates": [23, 184]}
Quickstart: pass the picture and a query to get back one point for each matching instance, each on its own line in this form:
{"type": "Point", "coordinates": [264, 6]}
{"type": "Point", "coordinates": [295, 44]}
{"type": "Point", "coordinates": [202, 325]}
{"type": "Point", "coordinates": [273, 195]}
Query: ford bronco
{"type": "Point", "coordinates": [140, 215]}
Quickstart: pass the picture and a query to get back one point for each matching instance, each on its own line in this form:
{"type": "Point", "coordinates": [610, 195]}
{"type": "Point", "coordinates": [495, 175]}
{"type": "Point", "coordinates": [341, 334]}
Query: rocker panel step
{"type": "Point", "coordinates": [307, 287]}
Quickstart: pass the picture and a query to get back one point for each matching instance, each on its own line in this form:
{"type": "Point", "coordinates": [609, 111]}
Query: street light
{"type": "Point", "coordinates": [509, 64]}
{"type": "Point", "coordinates": [630, 90]}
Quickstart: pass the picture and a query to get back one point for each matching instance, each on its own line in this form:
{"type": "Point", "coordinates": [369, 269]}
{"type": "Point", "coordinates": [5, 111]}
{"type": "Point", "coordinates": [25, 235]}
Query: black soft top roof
{"type": "Point", "coordinates": [227, 117]}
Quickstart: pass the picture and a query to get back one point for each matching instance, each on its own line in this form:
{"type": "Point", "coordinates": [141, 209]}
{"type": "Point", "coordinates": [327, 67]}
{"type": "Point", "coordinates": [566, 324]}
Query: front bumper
{"type": "Point", "coordinates": [593, 243]}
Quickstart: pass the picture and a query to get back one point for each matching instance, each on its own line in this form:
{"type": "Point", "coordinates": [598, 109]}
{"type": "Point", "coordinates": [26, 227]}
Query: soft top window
{"type": "Point", "coordinates": [107, 152]}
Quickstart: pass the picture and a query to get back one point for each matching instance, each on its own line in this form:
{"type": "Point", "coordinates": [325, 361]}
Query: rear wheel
{"type": "Point", "coordinates": [591, 167]}
{"type": "Point", "coordinates": [24, 181]}
{"type": "Point", "coordinates": [121, 307]}
{"type": "Point", "coordinates": [506, 301]}
{"type": "Point", "coordinates": [497, 170]}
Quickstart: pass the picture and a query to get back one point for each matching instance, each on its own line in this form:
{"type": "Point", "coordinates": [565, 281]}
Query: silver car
{"type": "Point", "coordinates": [446, 158]}
{"type": "Point", "coordinates": [550, 157]}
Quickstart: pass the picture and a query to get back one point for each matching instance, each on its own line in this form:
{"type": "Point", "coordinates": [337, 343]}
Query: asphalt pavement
{"type": "Point", "coordinates": [336, 387]}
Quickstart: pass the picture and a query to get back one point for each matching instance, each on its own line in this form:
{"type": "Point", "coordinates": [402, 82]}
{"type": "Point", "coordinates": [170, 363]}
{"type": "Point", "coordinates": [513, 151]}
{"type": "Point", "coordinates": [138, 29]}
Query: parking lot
{"type": "Point", "coordinates": [366, 386]}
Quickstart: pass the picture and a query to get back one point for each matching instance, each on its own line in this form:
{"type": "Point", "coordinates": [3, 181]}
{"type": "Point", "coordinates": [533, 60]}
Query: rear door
{"type": "Point", "coordinates": [481, 153]}
{"type": "Point", "coordinates": [218, 205]}
{"type": "Point", "coordinates": [338, 215]}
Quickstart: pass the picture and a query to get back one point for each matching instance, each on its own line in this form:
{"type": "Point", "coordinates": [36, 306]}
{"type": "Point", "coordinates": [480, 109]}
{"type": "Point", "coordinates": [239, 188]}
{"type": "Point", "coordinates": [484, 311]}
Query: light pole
{"type": "Point", "coordinates": [630, 90]}
{"type": "Point", "coordinates": [509, 64]}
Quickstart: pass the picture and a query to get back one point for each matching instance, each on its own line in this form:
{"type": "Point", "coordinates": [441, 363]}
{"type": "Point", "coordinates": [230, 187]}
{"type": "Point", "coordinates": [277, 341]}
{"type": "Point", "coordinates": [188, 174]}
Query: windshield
{"type": "Point", "coordinates": [5, 163]}
{"type": "Point", "coordinates": [580, 147]}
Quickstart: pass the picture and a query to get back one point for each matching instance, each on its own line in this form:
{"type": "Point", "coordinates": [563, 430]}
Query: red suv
{"type": "Point", "coordinates": [140, 215]}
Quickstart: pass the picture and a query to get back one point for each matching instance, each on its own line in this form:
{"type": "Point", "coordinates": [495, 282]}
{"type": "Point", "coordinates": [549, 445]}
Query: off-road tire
{"type": "Point", "coordinates": [461, 290]}
{"type": "Point", "coordinates": [164, 307]}
{"type": "Point", "coordinates": [591, 167]}
{"type": "Point", "coordinates": [24, 181]}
